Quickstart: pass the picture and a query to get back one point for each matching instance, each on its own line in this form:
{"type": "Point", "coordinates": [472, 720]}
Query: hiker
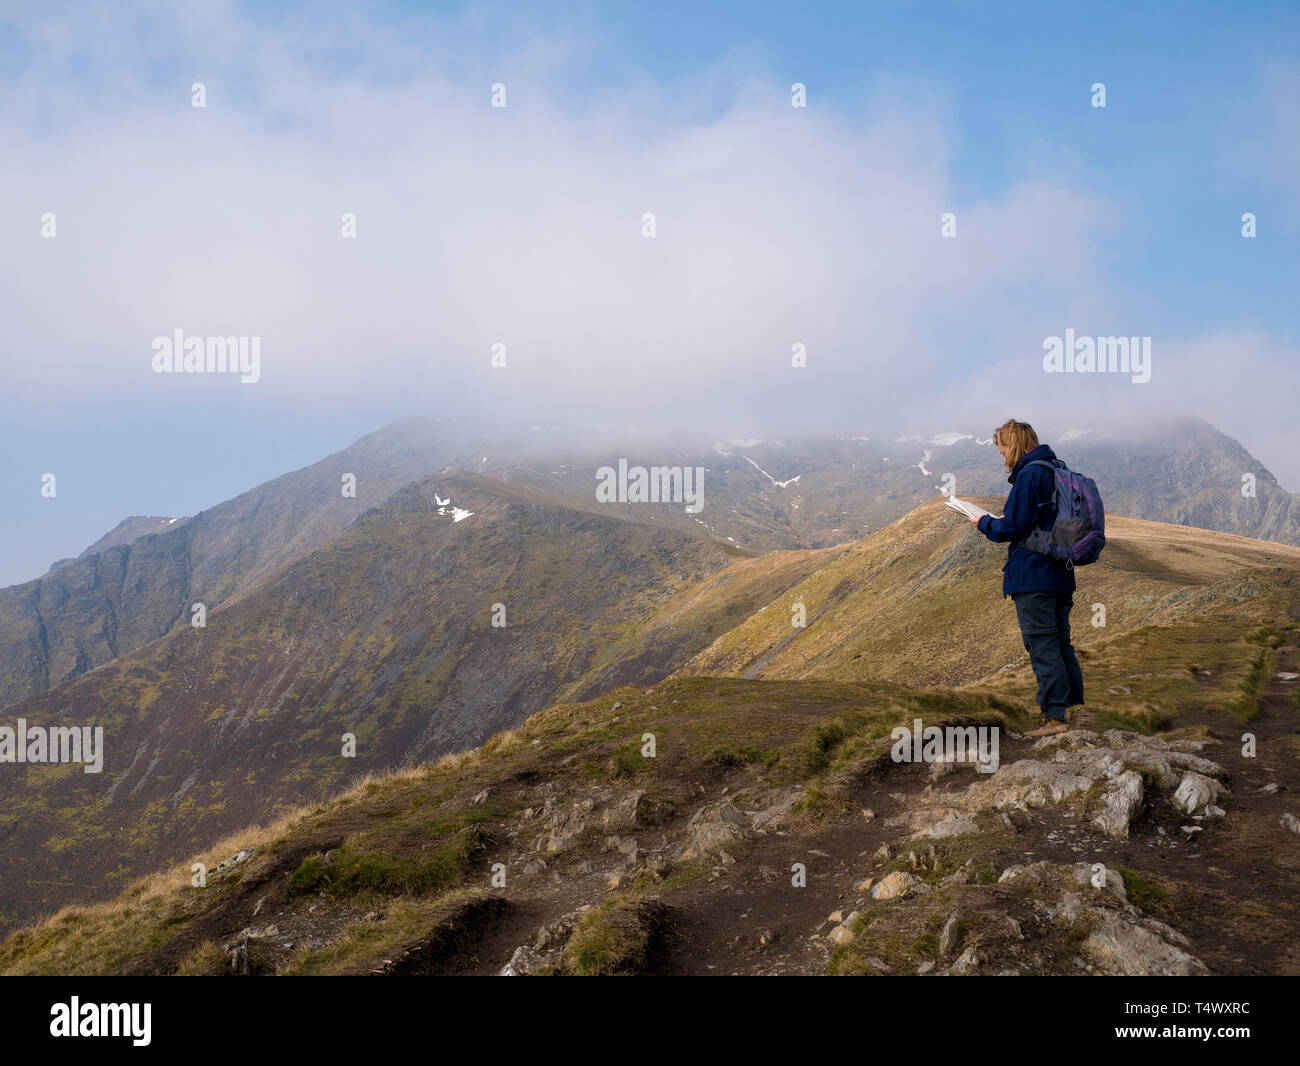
{"type": "Point", "coordinates": [1041, 587]}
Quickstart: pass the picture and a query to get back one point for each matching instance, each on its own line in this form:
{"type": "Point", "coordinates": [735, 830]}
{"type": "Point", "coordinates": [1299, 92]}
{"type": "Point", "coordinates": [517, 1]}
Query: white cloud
{"type": "Point", "coordinates": [476, 225]}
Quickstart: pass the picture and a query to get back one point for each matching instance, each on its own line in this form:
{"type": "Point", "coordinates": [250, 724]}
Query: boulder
{"type": "Point", "coordinates": [843, 932]}
{"type": "Point", "coordinates": [896, 886]}
{"type": "Point", "coordinates": [712, 828]}
{"type": "Point", "coordinates": [1195, 792]}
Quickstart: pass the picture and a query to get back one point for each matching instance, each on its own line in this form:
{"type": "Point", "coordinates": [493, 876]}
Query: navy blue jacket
{"type": "Point", "coordinates": [1030, 506]}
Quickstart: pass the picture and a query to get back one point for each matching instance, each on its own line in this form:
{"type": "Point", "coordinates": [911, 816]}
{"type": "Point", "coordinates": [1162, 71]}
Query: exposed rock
{"type": "Point", "coordinates": [524, 962]}
{"type": "Point", "coordinates": [234, 860]}
{"type": "Point", "coordinates": [1120, 939]}
{"type": "Point", "coordinates": [627, 846]}
{"type": "Point", "coordinates": [1120, 803]}
{"type": "Point", "coordinates": [934, 823]}
{"type": "Point", "coordinates": [1006, 926]}
{"type": "Point", "coordinates": [843, 932]}
{"type": "Point", "coordinates": [896, 886]}
{"type": "Point", "coordinates": [968, 962]}
{"type": "Point", "coordinates": [950, 936]}
{"type": "Point", "coordinates": [1138, 947]}
{"type": "Point", "coordinates": [1109, 768]}
{"type": "Point", "coordinates": [1195, 792]}
{"type": "Point", "coordinates": [563, 827]}
{"type": "Point", "coordinates": [553, 935]}
{"type": "Point", "coordinates": [1104, 879]}
{"type": "Point", "coordinates": [1290, 822]}
{"type": "Point", "coordinates": [711, 829]}
{"type": "Point", "coordinates": [774, 808]}
{"type": "Point", "coordinates": [635, 810]}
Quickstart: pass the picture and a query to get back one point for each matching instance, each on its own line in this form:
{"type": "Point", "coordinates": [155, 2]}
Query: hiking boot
{"type": "Point", "coordinates": [1049, 729]}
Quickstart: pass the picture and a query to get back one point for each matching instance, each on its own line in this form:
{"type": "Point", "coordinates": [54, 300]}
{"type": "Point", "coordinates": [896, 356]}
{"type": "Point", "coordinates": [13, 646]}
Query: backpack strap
{"type": "Point", "coordinates": [1052, 465]}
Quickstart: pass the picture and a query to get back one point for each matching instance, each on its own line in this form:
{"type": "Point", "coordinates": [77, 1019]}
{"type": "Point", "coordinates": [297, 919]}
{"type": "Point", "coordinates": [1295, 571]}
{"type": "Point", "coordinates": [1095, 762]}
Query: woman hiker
{"type": "Point", "coordinates": [1041, 588]}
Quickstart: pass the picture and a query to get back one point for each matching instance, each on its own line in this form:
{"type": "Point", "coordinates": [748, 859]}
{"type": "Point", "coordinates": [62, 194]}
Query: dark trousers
{"type": "Point", "coordinates": [1045, 627]}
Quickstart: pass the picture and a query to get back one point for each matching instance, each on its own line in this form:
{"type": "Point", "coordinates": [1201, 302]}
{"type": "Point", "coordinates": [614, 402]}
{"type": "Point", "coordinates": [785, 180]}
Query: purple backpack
{"type": "Point", "coordinates": [1078, 532]}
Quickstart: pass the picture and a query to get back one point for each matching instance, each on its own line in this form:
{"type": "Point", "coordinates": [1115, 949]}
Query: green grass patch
{"type": "Point", "coordinates": [353, 871]}
{"type": "Point", "coordinates": [1142, 891]}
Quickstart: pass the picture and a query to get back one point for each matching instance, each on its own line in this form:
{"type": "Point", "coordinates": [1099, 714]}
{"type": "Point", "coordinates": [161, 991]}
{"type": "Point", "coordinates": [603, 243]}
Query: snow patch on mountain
{"type": "Point", "coordinates": [778, 484]}
{"type": "Point", "coordinates": [1074, 434]}
{"type": "Point", "coordinates": [445, 508]}
{"type": "Point", "coordinates": [925, 459]}
{"type": "Point", "coordinates": [947, 440]}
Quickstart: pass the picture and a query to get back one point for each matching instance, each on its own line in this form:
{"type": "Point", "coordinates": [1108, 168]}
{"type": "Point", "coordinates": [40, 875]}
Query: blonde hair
{"type": "Point", "coordinates": [1019, 439]}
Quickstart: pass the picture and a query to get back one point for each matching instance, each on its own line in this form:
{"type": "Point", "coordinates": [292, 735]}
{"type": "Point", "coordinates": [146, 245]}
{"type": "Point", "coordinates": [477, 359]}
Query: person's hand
{"type": "Point", "coordinates": [973, 518]}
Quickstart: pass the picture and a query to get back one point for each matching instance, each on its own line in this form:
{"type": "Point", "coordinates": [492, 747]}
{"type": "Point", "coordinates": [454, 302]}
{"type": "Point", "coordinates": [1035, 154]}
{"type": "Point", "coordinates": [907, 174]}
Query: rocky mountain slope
{"type": "Point", "coordinates": [767, 830]}
{"type": "Point", "coordinates": [87, 611]}
{"type": "Point", "coordinates": [387, 635]}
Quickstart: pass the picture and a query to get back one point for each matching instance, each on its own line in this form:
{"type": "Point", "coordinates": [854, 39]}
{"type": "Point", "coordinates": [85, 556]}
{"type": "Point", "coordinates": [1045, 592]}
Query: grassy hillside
{"type": "Point", "coordinates": [921, 602]}
{"type": "Point", "coordinates": [559, 847]}
{"type": "Point", "coordinates": [385, 634]}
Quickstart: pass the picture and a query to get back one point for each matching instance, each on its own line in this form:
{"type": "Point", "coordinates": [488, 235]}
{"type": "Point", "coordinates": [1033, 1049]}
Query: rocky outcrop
{"type": "Point", "coordinates": [1117, 938]}
{"type": "Point", "coordinates": [1106, 773]}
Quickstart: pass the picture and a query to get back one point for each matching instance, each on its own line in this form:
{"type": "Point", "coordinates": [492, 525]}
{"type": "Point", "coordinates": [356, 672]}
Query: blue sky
{"type": "Point", "coordinates": [817, 225]}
